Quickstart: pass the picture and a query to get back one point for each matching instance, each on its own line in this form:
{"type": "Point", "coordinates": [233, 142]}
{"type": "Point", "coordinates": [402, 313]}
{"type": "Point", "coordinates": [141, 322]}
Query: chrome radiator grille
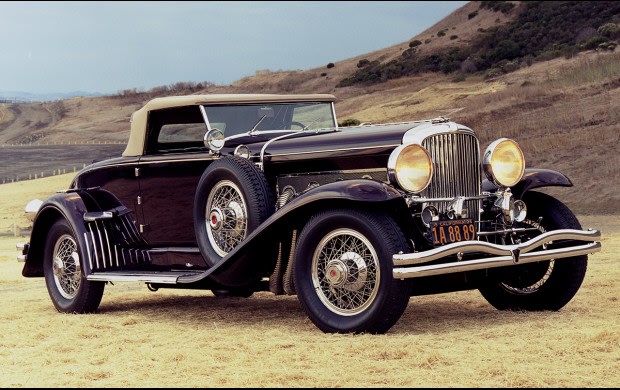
{"type": "Point", "coordinates": [456, 163]}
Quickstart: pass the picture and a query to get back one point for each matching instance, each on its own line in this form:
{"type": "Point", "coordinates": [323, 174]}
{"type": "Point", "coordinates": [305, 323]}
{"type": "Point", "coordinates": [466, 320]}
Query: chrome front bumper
{"type": "Point", "coordinates": [411, 265]}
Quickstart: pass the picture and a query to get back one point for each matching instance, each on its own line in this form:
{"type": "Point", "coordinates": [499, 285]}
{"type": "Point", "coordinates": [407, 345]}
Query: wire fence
{"type": "Point", "coordinates": [63, 143]}
{"type": "Point", "coordinates": [42, 174]}
{"type": "Point", "coordinates": [31, 161]}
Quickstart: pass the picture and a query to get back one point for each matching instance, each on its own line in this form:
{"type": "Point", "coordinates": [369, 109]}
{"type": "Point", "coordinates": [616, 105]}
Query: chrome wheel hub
{"type": "Point", "coordinates": [215, 219]}
{"type": "Point", "coordinates": [349, 272]}
{"type": "Point", "coordinates": [345, 272]}
{"type": "Point", "coordinates": [66, 267]}
{"type": "Point", "coordinates": [336, 273]}
{"type": "Point", "coordinates": [227, 217]}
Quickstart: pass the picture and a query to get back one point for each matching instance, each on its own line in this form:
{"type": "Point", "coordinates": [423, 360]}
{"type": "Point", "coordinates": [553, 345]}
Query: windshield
{"type": "Point", "coordinates": [239, 119]}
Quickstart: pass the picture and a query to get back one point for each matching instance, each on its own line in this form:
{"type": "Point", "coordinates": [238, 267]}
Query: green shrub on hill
{"type": "Point", "coordinates": [541, 31]}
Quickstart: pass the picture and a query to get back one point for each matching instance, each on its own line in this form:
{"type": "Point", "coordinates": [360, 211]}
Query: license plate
{"type": "Point", "coordinates": [457, 230]}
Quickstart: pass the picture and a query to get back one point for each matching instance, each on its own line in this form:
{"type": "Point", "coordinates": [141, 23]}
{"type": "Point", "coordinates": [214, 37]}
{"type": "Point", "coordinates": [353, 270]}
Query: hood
{"type": "Point", "coordinates": [349, 142]}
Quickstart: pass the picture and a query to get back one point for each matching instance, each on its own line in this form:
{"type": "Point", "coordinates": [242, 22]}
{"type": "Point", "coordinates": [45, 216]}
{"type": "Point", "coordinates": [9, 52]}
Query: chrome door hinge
{"type": "Point", "coordinates": [139, 200]}
{"type": "Point", "coordinates": [144, 228]}
{"type": "Point", "coordinates": [138, 171]}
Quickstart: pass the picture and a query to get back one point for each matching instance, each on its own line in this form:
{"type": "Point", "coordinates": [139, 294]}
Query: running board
{"type": "Point", "coordinates": [143, 276]}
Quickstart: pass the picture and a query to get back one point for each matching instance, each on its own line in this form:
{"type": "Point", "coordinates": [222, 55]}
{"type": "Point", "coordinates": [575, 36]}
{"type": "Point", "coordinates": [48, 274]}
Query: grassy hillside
{"type": "Point", "coordinates": [539, 31]}
{"type": "Point", "coordinates": [564, 112]}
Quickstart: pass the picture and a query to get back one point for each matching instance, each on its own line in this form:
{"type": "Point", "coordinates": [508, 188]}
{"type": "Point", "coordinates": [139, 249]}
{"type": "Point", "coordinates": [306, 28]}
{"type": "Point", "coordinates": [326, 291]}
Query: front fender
{"type": "Point", "coordinates": [71, 206]}
{"type": "Point", "coordinates": [533, 178]}
{"type": "Point", "coordinates": [243, 265]}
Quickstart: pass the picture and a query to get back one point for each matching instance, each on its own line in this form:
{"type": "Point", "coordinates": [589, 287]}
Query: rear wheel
{"type": "Point", "coordinates": [546, 285]}
{"type": "Point", "coordinates": [66, 284]}
{"type": "Point", "coordinates": [343, 271]}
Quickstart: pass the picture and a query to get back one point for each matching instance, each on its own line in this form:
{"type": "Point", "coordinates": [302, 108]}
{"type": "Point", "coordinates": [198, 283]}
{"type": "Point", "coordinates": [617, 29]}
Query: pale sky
{"type": "Point", "coordinates": [110, 46]}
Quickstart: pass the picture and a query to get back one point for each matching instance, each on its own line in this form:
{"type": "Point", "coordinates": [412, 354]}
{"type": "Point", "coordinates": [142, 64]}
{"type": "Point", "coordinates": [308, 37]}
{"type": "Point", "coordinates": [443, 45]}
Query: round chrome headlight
{"type": "Point", "coordinates": [410, 167]}
{"type": "Point", "coordinates": [214, 140]}
{"type": "Point", "coordinates": [503, 162]}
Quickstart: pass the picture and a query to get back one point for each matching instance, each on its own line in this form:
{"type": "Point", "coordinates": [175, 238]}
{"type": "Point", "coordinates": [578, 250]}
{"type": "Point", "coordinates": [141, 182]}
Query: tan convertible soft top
{"type": "Point", "coordinates": [135, 146]}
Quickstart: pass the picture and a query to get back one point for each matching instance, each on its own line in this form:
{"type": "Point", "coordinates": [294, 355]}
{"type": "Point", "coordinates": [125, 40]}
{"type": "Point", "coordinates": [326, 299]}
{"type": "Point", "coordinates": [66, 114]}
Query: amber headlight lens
{"type": "Point", "coordinates": [410, 167]}
{"type": "Point", "coordinates": [504, 163]}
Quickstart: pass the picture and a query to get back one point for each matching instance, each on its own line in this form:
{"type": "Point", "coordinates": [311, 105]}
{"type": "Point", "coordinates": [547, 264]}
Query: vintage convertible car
{"type": "Point", "coordinates": [245, 193]}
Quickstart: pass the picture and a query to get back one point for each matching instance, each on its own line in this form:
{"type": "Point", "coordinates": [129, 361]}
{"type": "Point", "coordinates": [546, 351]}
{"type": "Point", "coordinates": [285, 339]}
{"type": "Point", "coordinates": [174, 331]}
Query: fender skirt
{"type": "Point", "coordinates": [533, 178]}
{"type": "Point", "coordinates": [242, 265]}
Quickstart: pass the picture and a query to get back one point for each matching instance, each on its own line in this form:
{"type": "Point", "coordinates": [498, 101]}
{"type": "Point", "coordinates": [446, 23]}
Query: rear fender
{"type": "Point", "coordinates": [71, 206]}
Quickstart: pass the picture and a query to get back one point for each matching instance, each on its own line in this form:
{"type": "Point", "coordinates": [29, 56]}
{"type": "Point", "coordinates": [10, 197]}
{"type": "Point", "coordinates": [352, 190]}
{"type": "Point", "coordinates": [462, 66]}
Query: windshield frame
{"type": "Point", "coordinates": [252, 131]}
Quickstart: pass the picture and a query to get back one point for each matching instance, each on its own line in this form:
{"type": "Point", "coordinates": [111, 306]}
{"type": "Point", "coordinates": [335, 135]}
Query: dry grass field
{"type": "Point", "coordinates": [177, 338]}
{"type": "Point", "coordinates": [565, 114]}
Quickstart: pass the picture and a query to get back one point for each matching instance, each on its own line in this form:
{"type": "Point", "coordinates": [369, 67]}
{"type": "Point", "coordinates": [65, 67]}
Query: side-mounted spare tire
{"type": "Point", "coordinates": [232, 199]}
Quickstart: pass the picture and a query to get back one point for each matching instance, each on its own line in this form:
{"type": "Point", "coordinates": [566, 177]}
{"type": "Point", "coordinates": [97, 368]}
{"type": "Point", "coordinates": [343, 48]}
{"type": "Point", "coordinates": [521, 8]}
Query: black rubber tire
{"type": "Point", "coordinates": [562, 283]}
{"type": "Point", "coordinates": [392, 296]}
{"type": "Point", "coordinates": [254, 188]}
{"type": "Point", "coordinates": [89, 294]}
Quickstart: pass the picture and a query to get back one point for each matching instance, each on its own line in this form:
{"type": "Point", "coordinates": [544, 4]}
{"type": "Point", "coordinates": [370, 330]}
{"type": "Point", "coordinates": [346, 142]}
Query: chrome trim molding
{"type": "Point", "coordinates": [175, 250]}
{"type": "Point", "coordinates": [264, 148]}
{"type": "Point", "coordinates": [205, 118]}
{"type": "Point", "coordinates": [427, 129]}
{"type": "Point", "coordinates": [332, 150]}
{"type": "Point", "coordinates": [334, 116]}
{"type": "Point", "coordinates": [335, 172]}
{"type": "Point", "coordinates": [97, 216]}
{"type": "Point", "coordinates": [146, 278]}
{"type": "Point", "coordinates": [507, 254]}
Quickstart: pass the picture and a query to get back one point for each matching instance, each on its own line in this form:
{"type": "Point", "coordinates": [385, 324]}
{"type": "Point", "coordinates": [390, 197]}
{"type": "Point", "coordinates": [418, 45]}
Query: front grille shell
{"type": "Point", "coordinates": [456, 166]}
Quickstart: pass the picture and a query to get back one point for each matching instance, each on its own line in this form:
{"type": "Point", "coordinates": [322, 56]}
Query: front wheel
{"type": "Point", "coordinates": [545, 285]}
{"type": "Point", "coordinates": [343, 271]}
{"type": "Point", "coordinates": [66, 284]}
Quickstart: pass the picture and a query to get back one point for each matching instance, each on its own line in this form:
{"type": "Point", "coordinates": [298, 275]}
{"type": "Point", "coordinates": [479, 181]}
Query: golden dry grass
{"type": "Point", "coordinates": [177, 338]}
{"type": "Point", "coordinates": [15, 196]}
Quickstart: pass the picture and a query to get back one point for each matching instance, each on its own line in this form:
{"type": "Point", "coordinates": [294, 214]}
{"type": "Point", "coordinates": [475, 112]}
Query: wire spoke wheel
{"type": "Point", "coordinates": [66, 283]}
{"type": "Point", "coordinates": [345, 272]}
{"type": "Point", "coordinates": [226, 217]}
{"type": "Point", "coordinates": [544, 285]}
{"type": "Point", "coordinates": [533, 276]}
{"type": "Point", "coordinates": [66, 267]}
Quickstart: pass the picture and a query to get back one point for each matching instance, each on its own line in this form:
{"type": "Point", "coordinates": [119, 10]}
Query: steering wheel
{"type": "Point", "coordinates": [295, 123]}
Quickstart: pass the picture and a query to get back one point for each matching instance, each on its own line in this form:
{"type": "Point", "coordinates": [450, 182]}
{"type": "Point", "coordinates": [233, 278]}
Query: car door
{"type": "Point", "coordinates": [167, 188]}
{"type": "Point", "coordinates": [169, 172]}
